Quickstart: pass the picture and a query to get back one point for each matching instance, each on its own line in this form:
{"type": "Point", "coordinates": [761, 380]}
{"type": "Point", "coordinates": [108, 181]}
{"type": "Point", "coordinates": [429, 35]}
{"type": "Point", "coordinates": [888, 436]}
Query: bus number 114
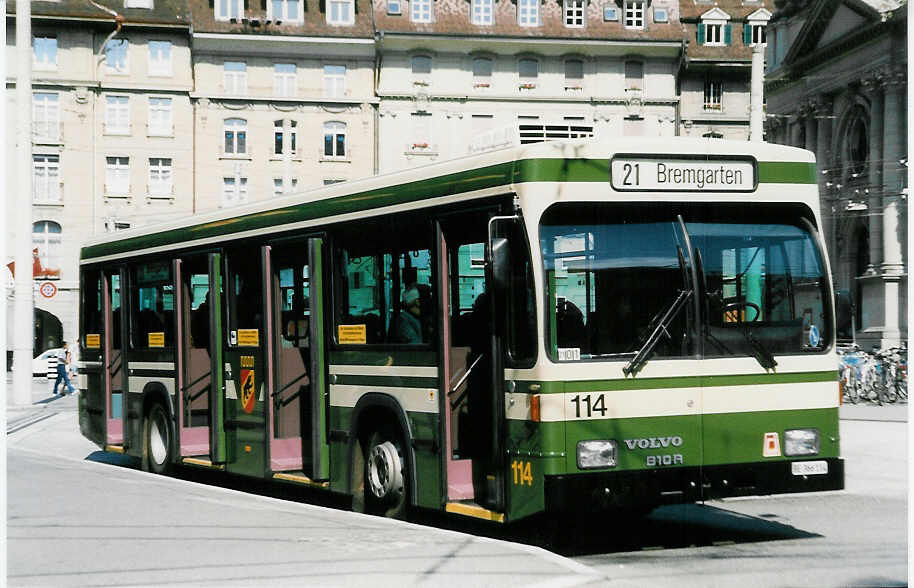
{"type": "Point", "coordinates": [523, 473]}
{"type": "Point", "coordinates": [590, 407]}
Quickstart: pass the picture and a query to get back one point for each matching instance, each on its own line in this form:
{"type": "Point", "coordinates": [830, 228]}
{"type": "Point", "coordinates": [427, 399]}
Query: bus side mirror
{"type": "Point", "coordinates": [501, 265]}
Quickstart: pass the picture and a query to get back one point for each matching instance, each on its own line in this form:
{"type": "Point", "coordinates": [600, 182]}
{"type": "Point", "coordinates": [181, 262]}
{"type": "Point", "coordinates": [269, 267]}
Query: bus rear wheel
{"type": "Point", "coordinates": [385, 476]}
{"type": "Point", "coordinates": [158, 440]}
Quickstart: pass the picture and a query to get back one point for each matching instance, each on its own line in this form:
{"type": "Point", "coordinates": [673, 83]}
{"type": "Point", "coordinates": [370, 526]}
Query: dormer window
{"type": "Point", "coordinates": [420, 10]}
{"type": "Point", "coordinates": [483, 12]}
{"type": "Point", "coordinates": [340, 12]}
{"type": "Point", "coordinates": [284, 10]}
{"type": "Point", "coordinates": [754, 30]}
{"type": "Point", "coordinates": [634, 14]}
{"type": "Point", "coordinates": [528, 13]}
{"type": "Point", "coordinates": [574, 13]}
{"type": "Point", "coordinates": [394, 7]}
{"type": "Point", "coordinates": [228, 9]}
{"type": "Point", "coordinates": [714, 28]}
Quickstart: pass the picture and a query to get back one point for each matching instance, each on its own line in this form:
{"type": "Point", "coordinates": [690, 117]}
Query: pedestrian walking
{"type": "Point", "coordinates": [63, 369]}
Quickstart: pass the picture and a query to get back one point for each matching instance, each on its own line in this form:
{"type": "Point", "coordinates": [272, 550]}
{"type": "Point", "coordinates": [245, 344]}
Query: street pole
{"type": "Point", "coordinates": [756, 91]}
{"type": "Point", "coordinates": [23, 332]}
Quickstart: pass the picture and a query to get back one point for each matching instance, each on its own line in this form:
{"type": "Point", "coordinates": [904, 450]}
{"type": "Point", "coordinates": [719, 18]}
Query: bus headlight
{"type": "Point", "coordinates": [801, 442]}
{"type": "Point", "coordinates": [597, 454]}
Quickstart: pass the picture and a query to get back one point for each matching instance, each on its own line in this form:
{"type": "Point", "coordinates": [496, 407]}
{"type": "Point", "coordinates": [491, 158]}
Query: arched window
{"type": "Point", "coordinates": [46, 243]}
{"type": "Point", "coordinates": [236, 133]}
{"type": "Point", "coordinates": [335, 139]}
{"type": "Point", "coordinates": [574, 74]}
{"type": "Point", "coordinates": [856, 141]}
{"type": "Point", "coordinates": [482, 72]}
{"type": "Point", "coordinates": [527, 72]}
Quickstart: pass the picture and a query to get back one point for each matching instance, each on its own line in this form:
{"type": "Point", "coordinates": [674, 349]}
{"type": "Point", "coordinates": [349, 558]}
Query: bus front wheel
{"type": "Point", "coordinates": [158, 438]}
{"type": "Point", "coordinates": [385, 476]}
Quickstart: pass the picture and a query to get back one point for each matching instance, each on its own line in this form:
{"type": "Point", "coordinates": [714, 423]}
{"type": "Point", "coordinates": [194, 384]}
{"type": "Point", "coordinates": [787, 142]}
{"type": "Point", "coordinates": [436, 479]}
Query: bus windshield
{"type": "Point", "coordinates": [613, 270]}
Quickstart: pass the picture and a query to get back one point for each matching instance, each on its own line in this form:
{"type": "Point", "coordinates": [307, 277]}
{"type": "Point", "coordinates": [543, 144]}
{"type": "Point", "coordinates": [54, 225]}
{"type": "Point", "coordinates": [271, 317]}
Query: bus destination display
{"type": "Point", "coordinates": [632, 173]}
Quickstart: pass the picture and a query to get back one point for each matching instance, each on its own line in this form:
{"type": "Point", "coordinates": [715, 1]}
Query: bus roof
{"type": "Point", "coordinates": [582, 160]}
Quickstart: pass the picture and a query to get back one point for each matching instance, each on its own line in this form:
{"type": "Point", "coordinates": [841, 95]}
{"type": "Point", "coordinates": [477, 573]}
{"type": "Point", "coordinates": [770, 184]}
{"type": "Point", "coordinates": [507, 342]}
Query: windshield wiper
{"type": "Point", "coordinates": [761, 353]}
{"type": "Point", "coordinates": [660, 325]}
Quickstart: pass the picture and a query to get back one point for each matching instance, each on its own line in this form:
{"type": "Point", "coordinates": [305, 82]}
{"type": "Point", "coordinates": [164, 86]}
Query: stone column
{"type": "Point", "coordinates": [893, 181]}
{"type": "Point", "coordinates": [796, 131]}
{"type": "Point", "coordinates": [893, 151]}
{"type": "Point", "coordinates": [811, 127]}
{"type": "Point", "coordinates": [820, 111]}
{"type": "Point", "coordinates": [874, 88]}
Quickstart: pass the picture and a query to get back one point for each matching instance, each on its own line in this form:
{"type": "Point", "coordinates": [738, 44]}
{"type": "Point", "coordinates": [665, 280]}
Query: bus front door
{"type": "Point", "coordinates": [297, 409]}
{"type": "Point", "coordinates": [115, 375]}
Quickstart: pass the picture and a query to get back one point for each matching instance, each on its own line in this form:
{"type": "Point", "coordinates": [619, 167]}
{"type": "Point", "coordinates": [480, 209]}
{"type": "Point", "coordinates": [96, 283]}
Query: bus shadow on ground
{"type": "Point", "coordinates": [667, 527]}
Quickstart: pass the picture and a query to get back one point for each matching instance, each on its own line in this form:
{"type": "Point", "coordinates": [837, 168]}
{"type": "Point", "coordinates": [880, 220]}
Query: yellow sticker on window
{"type": "Point", "coordinates": [353, 334]}
{"type": "Point", "coordinates": [248, 337]}
{"type": "Point", "coordinates": [156, 339]}
{"type": "Point", "coordinates": [93, 341]}
{"type": "Point", "coordinates": [247, 361]}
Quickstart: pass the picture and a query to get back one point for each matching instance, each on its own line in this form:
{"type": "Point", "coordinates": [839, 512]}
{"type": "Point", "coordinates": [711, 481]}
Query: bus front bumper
{"type": "Point", "coordinates": [656, 487]}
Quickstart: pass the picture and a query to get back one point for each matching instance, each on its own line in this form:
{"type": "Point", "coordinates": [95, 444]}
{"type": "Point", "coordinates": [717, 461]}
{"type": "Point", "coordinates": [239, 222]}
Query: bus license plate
{"type": "Point", "coordinates": [809, 468]}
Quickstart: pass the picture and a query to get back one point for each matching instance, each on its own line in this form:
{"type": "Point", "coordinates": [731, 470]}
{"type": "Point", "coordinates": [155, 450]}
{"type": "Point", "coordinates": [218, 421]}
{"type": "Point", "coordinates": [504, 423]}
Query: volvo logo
{"type": "Point", "coordinates": [654, 442]}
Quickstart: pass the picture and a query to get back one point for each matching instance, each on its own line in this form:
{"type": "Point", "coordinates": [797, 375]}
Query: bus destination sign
{"type": "Point", "coordinates": [693, 175]}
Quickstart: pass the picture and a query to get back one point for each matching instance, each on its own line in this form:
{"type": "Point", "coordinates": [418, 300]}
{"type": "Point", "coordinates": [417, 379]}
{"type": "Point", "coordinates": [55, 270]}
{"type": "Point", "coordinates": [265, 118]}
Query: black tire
{"type": "Point", "coordinates": [158, 439]}
{"type": "Point", "coordinates": [386, 475]}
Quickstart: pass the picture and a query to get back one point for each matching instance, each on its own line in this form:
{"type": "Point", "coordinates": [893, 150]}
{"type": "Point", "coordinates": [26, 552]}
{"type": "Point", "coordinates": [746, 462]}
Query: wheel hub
{"type": "Point", "coordinates": [385, 471]}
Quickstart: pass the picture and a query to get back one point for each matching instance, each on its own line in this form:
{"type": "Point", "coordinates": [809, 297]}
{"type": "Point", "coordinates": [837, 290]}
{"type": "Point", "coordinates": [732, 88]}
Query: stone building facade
{"type": "Point", "coordinates": [716, 68]}
{"type": "Point", "coordinates": [112, 135]}
{"type": "Point", "coordinates": [148, 109]}
{"type": "Point", "coordinates": [837, 85]}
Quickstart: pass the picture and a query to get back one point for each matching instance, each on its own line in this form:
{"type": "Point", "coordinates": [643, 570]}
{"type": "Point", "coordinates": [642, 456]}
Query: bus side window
{"type": "Point", "coordinates": [245, 291]}
{"type": "Point", "coordinates": [152, 308]}
{"type": "Point", "coordinates": [385, 283]}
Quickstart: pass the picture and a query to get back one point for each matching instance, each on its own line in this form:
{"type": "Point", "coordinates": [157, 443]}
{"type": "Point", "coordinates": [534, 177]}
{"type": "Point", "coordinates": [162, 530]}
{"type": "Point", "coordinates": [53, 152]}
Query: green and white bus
{"type": "Point", "coordinates": [557, 327]}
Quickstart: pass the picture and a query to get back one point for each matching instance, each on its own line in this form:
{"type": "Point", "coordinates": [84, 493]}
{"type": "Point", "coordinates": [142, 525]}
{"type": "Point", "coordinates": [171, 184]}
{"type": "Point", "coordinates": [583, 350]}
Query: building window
{"type": "Point", "coordinates": [420, 10]}
{"type": "Point", "coordinates": [226, 9]}
{"type": "Point", "coordinates": [236, 131]}
{"type": "Point", "coordinates": [340, 12]}
{"type": "Point", "coordinates": [160, 58]}
{"type": "Point", "coordinates": [234, 191]}
{"type": "Point", "coordinates": [634, 14]}
{"type": "Point", "coordinates": [755, 34]}
{"type": "Point", "coordinates": [394, 7]}
{"type": "Point", "coordinates": [528, 13]}
{"type": "Point", "coordinates": [44, 53]}
{"type": "Point", "coordinates": [482, 13]}
{"type": "Point", "coordinates": [160, 120]}
{"type": "Point", "coordinates": [334, 81]}
{"type": "Point", "coordinates": [116, 56]}
{"type": "Point", "coordinates": [714, 90]}
{"type": "Point", "coordinates": [574, 13]}
{"type": "Point", "coordinates": [117, 176]}
{"type": "Point", "coordinates": [284, 137]}
{"type": "Point", "coordinates": [284, 79]}
{"type": "Point", "coordinates": [46, 117]}
{"type": "Point", "coordinates": [610, 13]}
{"type": "Point", "coordinates": [235, 78]}
{"type": "Point", "coordinates": [422, 68]}
{"type": "Point", "coordinates": [160, 178]}
{"type": "Point", "coordinates": [482, 72]}
{"type": "Point", "coordinates": [47, 243]}
{"type": "Point", "coordinates": [279, 186]}
{"type": "Point", "coordinates": [857, 145]}
{"type": "Point", "coordinates": [46, 179]}
{"type": "Point", "coordinates": [148, 4]}
{"type": "Point", "coordinates": [335, 139]}
{"type": "Point", "coordinates": [574, 74]}
{"type": "Point", "coordinates": [421, 132]}
{"type": "Point", "coordinates": [527, 73]}
{"type": "Point", "coordinates": [661, 15]}
{"type": "Point", "coordinates": [634, 75]}
{"type": "Point", "coordinates": [284, 10]}
{"type": "Point", "coordinates": [117, 115]}
{"type": "Point", "coordinates": [713, 135]}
